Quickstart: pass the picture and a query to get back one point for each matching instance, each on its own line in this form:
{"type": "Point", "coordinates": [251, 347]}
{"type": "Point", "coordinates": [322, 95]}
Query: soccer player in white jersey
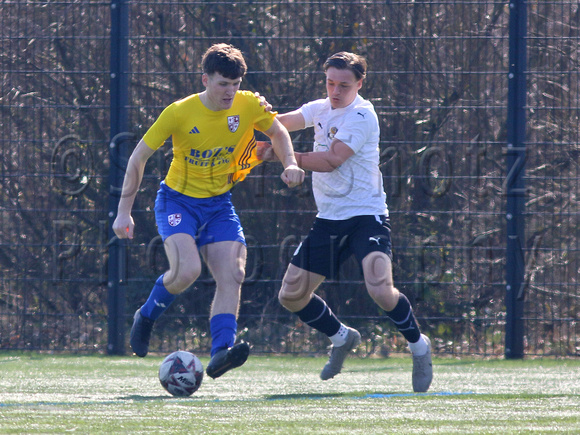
{"type": "Point", "coordinates": [352, 217]}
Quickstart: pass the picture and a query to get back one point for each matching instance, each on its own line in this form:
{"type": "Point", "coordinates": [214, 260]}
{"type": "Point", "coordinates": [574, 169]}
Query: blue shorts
{"type": "Point", "coordinates": [207, 220]}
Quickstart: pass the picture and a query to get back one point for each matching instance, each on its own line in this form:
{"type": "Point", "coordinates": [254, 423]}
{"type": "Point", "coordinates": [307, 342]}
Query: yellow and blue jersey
{"type": "Point", "coordinates": [211, 150]}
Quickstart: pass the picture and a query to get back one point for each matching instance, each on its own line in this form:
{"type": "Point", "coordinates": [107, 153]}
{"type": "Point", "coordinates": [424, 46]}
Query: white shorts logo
{"type": "Point", "coordinates": [174, 219]}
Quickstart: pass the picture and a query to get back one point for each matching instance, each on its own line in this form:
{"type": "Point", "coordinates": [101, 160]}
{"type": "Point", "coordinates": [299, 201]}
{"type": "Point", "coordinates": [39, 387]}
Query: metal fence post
{"type": "Point", "coordinates": [118, 129]}
{"type": "Point", "coordinates": [514, 183]}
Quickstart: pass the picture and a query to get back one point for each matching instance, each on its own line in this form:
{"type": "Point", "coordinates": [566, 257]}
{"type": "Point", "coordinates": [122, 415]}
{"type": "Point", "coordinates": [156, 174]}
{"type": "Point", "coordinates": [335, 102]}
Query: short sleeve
{"type": "Point", "coordinates": [309, 111]}
{"type": "Point", "coordinates": [262, 120]}
{"type": "Point", "coordinates": [161, 129]}
{"type": "Point", "coordinates": [356, 128]}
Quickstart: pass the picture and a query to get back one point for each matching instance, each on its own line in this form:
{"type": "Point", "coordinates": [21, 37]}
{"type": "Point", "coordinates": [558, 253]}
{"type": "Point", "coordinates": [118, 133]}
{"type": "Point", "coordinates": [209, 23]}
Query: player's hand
{"type": "Point", "coordinates": [267, 106]}
{"type": "Point", "coordinates": [124, 226]}
{"type": "Point", "coordinates": [265, 152]}
{"type": "Point", "coordinates": [293, 176]}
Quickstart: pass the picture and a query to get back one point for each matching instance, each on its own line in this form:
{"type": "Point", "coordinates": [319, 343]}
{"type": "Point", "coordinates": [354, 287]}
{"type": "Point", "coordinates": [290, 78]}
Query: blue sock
{"type": "Point", "coordinates": [223, 328]}
{"type": "Point", "coordinates": [159, 300]}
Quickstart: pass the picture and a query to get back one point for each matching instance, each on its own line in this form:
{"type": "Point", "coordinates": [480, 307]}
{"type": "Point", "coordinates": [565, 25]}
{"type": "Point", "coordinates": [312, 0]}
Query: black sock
{"type": "Point", "coordinates": [317, 315]}
{"type": "Point", "coordinates": [403, 317]}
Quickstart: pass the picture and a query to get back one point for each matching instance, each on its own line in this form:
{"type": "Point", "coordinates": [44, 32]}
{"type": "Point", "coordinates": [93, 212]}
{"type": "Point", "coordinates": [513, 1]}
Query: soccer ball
{"type": "Point", "coordinates": [181, 373]}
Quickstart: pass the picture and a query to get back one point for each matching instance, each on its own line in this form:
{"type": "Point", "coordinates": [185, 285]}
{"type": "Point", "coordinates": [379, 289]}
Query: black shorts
{"type": "Point", "coordinates": [329, 243]}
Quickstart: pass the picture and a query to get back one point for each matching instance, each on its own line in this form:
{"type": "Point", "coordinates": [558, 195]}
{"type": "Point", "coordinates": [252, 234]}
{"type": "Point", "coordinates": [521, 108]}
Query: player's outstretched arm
{"type": "Point", "coordinates": [123, 225]}
{"type": "Point", "coordinates": [327, 161]}
{"type": "Point", "coordinates": [293, 121]}
{"type": "Point", "coordinates": [282, 146]}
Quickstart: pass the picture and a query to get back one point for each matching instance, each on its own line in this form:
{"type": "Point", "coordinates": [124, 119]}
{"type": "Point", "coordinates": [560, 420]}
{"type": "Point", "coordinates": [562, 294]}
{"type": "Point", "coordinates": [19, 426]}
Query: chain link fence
{"type": "Point", "coordinates": [438, 77]}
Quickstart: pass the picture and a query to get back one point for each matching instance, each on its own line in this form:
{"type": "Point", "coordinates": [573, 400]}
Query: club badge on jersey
{"type": "Point", "coordinates": [332, 132]}
{"type": "Point", "coordinates": [233, 123]}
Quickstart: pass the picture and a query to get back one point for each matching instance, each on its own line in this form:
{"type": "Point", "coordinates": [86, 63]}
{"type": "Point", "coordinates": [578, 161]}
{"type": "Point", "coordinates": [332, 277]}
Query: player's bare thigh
{"type": "Point", "coordinates": [184, 262]}
{"type": "Point", "coordinates": [378, 275]}
{"type": "Point", "coordinates": [226, 262]}
{"type": "Point", "coordinates": [297, 287]}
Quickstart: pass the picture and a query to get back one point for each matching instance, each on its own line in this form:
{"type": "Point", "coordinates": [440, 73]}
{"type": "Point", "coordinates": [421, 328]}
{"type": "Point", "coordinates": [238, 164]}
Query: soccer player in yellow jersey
{"type": "Point", "coordinates": [213, 148]}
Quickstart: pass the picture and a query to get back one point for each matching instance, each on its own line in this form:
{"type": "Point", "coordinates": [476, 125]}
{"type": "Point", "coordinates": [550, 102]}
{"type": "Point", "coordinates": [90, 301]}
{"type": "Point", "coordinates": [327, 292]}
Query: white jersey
{"type": "Point", "coordinates": [355, 188]}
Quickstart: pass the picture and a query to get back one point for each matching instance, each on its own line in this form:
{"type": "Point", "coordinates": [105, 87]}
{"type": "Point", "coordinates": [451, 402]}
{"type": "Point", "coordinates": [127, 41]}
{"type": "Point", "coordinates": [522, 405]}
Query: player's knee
{"type": "Point", "coordinates": [238, 274]}
{"type": "Point", "coordinates": [384, 295]}
{"type": "Point", "coordinates": [377, 270]}
{"type": "Point", "coordinates": [297, 288]}
{"type": "Point", "coordinates": [381, 292]}
{"type": "Point", "coordinates": [378, 276]}
{"type": "Point", "coordinates": [292, 296]}
{"type": "Point", "coordinates": [283, 297]}
{"type": "Point", "coordinates": [177, 281]}
{"type": "Point", "coordinates": [236, 258]}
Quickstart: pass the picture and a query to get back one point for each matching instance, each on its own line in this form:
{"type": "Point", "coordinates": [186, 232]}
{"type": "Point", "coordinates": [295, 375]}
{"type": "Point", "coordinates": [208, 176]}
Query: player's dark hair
{"type": "Point", "coordinates": [224, 59]}
{"type": "Point", "coordinates": [345, 60]}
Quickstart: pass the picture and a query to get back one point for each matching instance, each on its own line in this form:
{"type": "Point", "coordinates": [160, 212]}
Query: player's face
{"type": "Point", "coordinates": [341, 87]}
{"type": "Point", "coordinates": [220, 91]}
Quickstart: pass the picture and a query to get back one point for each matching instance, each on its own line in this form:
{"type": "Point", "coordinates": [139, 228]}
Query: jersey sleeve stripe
{"type": "Point", "coordinates": [247, 154]}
